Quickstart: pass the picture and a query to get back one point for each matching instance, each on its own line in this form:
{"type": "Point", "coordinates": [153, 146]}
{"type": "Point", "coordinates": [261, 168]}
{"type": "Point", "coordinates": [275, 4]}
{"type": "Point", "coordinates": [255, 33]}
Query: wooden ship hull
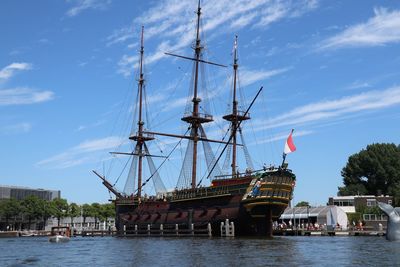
{"type": "Point", "coordinates": [230, 199]}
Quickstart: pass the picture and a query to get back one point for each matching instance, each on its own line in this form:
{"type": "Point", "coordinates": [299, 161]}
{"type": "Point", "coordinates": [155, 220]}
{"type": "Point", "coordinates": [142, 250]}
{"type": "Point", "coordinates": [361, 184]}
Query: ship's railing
{"type": "Point", "coordinates": [265, 170]}
{"type": "Point", "coordinates": [271, 186]}
{"type": "Point", "coordinates": [241, 113]}
{"type": "Point", "coordinates": [145, 135]}
{"type": "Point", "coordinates": [199, 115]}
{"type": "Point", "coordinates": [197, 193]}
{"type": "Point", "coordinates": [278, 180]}
{"type": "Point", "coordinates": [230, 176]}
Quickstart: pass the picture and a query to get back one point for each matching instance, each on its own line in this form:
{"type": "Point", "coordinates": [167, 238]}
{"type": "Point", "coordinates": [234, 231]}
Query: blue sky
{"type": "Point", "coordinates": [330, 70]}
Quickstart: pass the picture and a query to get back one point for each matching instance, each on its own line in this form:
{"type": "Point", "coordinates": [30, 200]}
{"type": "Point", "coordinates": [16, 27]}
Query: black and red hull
{"type": "Point", "coordinates": [225, 199]}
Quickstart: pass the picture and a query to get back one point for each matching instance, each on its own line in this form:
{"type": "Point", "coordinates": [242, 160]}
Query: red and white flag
{"type": "Point", "coordinates": [289, 145]}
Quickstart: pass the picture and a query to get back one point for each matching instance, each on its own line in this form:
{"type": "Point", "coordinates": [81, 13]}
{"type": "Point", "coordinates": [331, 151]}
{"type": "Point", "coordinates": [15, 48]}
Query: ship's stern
{"type": "Point", "coordinates": [267, 196]}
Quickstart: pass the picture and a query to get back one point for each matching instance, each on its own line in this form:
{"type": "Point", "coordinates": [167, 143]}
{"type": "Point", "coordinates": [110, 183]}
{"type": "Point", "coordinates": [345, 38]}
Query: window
{"type": "Point", "coordinates": [371, 202]}
{"type": "Point", "coordinates": [344, 203]}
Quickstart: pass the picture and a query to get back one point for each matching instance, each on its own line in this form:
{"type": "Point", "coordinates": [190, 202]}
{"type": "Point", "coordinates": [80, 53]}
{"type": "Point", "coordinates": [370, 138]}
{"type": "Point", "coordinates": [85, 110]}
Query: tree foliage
{"type": "Point", "coordinates": [374, 170]}
{"type": "Point", "coordinates": [96, 213]}
{"type": "Point", "coordinates": [32, 208]}
{"type": "Point", "coordinates": [60, 207]}
{"type": "Point", "coordinates": [35, 210]}
{"type": "Point", "coordinates": [108, 210]}
{"type": "Point", "coordinates": [303, 204]}
{"type": "Point", "coordinates": [73, 211]}
{"type": "Point", "coordinates": [10, 209]}
{"type": "Point", "coordinates": [87, 211]}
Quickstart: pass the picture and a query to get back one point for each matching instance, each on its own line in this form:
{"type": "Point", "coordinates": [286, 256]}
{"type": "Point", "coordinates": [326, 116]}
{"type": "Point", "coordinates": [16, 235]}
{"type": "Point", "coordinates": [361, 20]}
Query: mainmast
{"type": "Point", "coordinates": [139, 136]}
{"type": "Point", "coordinates": [196, 119]}
{"type": "Point", "coordinates": [236, 116]}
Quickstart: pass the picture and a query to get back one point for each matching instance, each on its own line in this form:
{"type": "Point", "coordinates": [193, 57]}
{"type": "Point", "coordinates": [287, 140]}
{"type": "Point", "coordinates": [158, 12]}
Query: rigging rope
{"type": "Point", "coordinates": [210, 157]}
{"type": "Point", "coordinates": [158, 184]}
{"type": "Point", "coordinates": [230, 138]}
{"type": "Point", "coordinates": [162, 163]}
{"type": "Point", "coordinates": [126, 164]}
{"type": "Point", "coordinates": [247, 157]}
{"type": "Point", "coordinates": [131, 180]}
{"type": "Point", "coordinates": [185, 175]}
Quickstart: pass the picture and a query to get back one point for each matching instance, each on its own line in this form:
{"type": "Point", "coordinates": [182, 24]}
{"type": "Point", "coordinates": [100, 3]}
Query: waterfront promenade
{"type": "Point", "coordinates": [194, 233]}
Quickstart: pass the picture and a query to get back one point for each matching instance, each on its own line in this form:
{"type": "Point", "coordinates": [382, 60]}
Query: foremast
{"type": "Point", "coordinates": [140, 137]}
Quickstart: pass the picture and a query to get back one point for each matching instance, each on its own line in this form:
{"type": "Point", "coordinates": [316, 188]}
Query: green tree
{"type": "Point", "coordinates": [374, 170]}
{"type": "Point", "coordinates": [32, 209]}
{"type": "Point", "coordinates": [107, 211]}
{"type": "Point", "coordinates": [303, 204]}
{"type": "Point", "coordinates": [87, 211]}
{"type": "Point", "coordinates": [47, 212]}
{"type": "Point", "coordinates": [60, 208]}
{"type": "Point", "coordinates": [96, 213]}
{"type": "Point", "coordinates": [73, 211]}
{"type": "Point", "coordinates": [10, 209]}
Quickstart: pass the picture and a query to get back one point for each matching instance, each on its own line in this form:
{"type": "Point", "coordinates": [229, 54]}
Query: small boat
{"type": "Point", "coordinates": [27, 233]}
{"type": "Point", "coordinates": [60, 234]}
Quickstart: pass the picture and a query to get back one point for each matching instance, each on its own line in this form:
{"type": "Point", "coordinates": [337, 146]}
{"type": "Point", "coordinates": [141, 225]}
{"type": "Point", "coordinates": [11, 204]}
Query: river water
{"type": "Point", "coordinates": [155, 251]}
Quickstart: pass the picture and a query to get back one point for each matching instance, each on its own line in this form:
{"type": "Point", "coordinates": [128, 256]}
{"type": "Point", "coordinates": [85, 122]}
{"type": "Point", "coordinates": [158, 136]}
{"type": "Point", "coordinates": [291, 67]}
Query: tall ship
{"type": "Point", "coordinates": [252, 199]}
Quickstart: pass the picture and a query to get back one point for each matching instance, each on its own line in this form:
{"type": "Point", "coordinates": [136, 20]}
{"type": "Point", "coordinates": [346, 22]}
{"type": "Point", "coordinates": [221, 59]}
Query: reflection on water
{"type": "Point", "coordinates": [280, 251]}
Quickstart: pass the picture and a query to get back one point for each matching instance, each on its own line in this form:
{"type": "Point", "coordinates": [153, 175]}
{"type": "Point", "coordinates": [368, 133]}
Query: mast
{"type": "Point", "coordinates": [140, 137]}
{"type": "Point", "coordinates": [141, 150]}
{"type": "Point", "coordinates": [196, 101]}
{"type": "Point", "coordinates": [196, 119]}
{"type": "Point", "coordinates": [236, 116]}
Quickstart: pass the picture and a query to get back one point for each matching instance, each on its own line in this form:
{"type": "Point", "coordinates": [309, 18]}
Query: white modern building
{"type": "Point", "coordinates": [327, 216]}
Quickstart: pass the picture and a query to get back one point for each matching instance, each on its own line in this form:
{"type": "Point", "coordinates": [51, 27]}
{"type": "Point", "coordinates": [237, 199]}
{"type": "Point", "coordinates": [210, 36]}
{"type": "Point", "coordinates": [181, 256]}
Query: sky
{"type": "Point", "coordinates": [68, 85]}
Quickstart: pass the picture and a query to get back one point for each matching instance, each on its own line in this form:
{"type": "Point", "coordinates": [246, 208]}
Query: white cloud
{"type": "Point", "coordinates": [120, 36]}
{"type": "Point", "coordinates": [81, 5]}
{"type": "Point", "coordinates": [335, 109]}
{"type": "Point", "coordinates": [84, 127]}
{"type": "Point", "coordinates": [128, 63]}
{"type": "Point", "coordinates": [281, 136]}
{"type": "Point", "coordinates": [24, 96]}
{"type": "Point", "coordinates": [273, 13]}
{"type": "Point", "coordinates": [180, 102]}
{"type": "Point", "coordinates": [358, 85]}
{"type": "Point", "coordinates": [251, 76]}
{"type": "Point", "coordinates": [383, 28]}
{"type": "Point", "coordinates": [83, 153]}
{"type": "Point", "coordinates": [171, 22]}
{"type": "Point", "coordinates": [10, 70]}
{"type": "Point", "coordinates": [243, 20]}
{"type": "Point", "coordinates": [23, 127]}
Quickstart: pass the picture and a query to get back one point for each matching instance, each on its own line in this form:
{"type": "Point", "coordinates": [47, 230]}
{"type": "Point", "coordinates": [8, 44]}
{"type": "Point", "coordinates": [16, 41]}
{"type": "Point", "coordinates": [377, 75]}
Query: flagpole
{"type": "Point", "coordinates": [284, 154]}
{"type": "Point", "coordinates": [284, 158]}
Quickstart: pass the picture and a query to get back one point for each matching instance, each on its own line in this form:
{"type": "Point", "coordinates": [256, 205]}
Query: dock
{"type": "Point", "coordinates": [290, 232]}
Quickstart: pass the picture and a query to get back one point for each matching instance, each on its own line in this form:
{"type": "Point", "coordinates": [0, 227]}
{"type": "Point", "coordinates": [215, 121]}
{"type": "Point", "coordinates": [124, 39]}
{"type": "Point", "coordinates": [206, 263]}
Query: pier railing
{"type": "Point", "coordinates": [167, 231]}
